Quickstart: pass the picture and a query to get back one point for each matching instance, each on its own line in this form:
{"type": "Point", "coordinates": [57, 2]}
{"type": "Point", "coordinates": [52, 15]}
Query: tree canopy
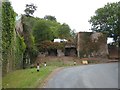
{"type": "Point", "coordinates": [30, 9]}
{"type": "Point", "coordinates": [41, 31]}
{"type": "Point", "coordinates": [106, 20]}
{"type": "Point", "coordinates": [21, 49]}
{"type": "Point", "coordinates": [64, 31]}
{"type": "Point", "coordinates": [50, 29]}
{"type": "Point", "coordinates": [49, 17]}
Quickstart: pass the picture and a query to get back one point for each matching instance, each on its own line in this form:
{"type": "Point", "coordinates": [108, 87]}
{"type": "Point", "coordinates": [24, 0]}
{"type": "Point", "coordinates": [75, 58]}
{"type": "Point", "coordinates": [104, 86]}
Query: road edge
{"type": "Point", "coordinates": [54, 72]}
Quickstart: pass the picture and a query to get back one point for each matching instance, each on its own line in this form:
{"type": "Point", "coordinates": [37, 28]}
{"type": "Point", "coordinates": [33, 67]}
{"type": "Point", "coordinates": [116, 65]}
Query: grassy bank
{"type": "Point", "coordinates": [27, 78]}
{"type": "Point", "coordinates": [30, 78]}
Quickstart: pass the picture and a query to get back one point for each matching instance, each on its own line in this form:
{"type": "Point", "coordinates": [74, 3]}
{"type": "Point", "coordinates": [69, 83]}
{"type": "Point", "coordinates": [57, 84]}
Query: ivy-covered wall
{"type": "Point", "coordinates": [31, 50]}
{"type": "Point", "coordinates": [13, 45]}
{"type": "Point", "coordinates": [0, 44]}
{"type": "Point", "coordinates": [92, 44]}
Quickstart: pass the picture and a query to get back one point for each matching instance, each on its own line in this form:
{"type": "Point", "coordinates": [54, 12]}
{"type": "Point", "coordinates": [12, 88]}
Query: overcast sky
{"type": "Point", "coordinates": [75, 13]}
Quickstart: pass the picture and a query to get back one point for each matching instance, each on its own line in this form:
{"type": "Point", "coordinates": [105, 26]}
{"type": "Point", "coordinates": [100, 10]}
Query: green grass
{"type": "Point", "coordinates": [60, 63]}
{"type": "Point", "coordinates": [30, 78]}
{"type": "Point", "coordinates": [27, 78]}
{"type": "Point", "coordinates": [57, 64]}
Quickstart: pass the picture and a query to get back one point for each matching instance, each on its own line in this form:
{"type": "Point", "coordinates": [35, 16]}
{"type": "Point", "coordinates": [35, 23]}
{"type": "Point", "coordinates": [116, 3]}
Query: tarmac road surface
{"type": "Point", "coordinates": [86, 76]}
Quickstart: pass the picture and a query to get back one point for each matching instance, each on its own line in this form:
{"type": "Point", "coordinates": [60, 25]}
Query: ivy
{"type": "Point", "coordinates": [8, 26]}
{"type": "Point", "coordinates": [13, 45]}
{"type": "Point", "coordinates": [31, 51]}
{"type": "Point", "coordinates": [0, 35]}
{"type": "Point", "coordinates": [19, 50]}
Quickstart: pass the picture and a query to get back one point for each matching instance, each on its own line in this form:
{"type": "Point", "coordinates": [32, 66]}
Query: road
{"type": "Point", "coordinates": [86, 76]}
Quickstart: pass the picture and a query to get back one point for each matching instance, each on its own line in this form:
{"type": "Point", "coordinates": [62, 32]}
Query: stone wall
{"type": "Point", "coordinates": [19, 26]}
{"type": "Point", "coordinates": [91, 44]}
{"type": "Point", "coordinates": [113, 52]}
{"type": "Point", "coordinates": [60, 53]}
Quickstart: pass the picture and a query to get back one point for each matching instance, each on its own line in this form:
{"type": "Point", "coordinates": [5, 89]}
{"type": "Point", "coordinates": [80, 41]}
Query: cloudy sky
{"type": "Point", "coordinates": [75, 13]}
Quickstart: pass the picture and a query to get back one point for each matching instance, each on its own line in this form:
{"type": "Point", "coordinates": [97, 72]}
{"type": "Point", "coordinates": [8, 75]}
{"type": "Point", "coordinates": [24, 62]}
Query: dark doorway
{"type": "Point", "coordinates": [52, 52]}
{"type": "Point", "coordinates": [70, 51]}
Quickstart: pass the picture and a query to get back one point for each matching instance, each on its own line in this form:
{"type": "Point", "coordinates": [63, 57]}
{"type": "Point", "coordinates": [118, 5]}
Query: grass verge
{"type": "Point", "coordinates": [30, 78]}
{"type": "Point", "coordinates": [27, 78]}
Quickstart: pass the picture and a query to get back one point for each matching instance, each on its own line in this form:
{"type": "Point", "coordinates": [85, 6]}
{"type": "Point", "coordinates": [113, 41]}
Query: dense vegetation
{"type": "Point", "coordinates": [48, 30]}
{"type": "Point", "coordinates": [13, 45]}
{"type": "Point", "coordinates": [19, 50]}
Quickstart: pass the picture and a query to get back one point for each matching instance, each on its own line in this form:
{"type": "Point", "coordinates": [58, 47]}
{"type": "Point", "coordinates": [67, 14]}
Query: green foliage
{"type": "Point", "coordinates": [19, 49]}
{"type": "Point", "coordinates": [0, 36]}
{"type": "Point", "coordinates": [42, 31]}
{"type": "Point", "coordinates": [49, 17]}
{"type": "Point", "coordinates": [73, 36]}
{"type": "Point", "coordinates": [50, 29]}
{"type": "Point", "coordinates": [47, 30]}
{"type": "Point", "coordinates": [37, 31]}
{"type": "Point", "coordinates": [106, 20]}
{"type": "Point", "coordinates": [47, 45]}
{"type": "Point", "coordinates": [13, 45]}
{"type": "Point", "coordinates": [21, 43]}
{"type": "Point", "coordinates": [30, 9]}
{"type": "Point", "coordinates": [31, 51]}
{"type": "Point", "coordinates": [8, 26]}
{"type": "Point", "coordinates": [64, 31]}
{"type": "Point", "coordinates": [27, 30]}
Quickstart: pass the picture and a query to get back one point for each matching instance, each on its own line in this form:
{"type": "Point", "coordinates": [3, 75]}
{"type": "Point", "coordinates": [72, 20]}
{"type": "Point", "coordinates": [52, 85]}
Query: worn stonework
{"type": "Point", "coordinates": [60, 53]}
{"type": "Point", "coordinates": [91, 44]}
{"type": "Point", "coordinates": [114, 52]}
{"type": "Point", "coordinates": [19, 26]}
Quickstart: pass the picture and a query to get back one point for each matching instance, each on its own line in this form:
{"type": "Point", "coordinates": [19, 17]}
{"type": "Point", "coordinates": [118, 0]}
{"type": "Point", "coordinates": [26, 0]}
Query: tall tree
{"type": "Point", "coordinates": [30, 9]}
{"type": "Point", "coordinates": [73, 36]}
{"type": "Point", "coordinates": [106, 20]}
{"type": "Point", "coordinates": [42, 31]}
{"type": "Point", "coordinates": [64, 31]}
{"type": "Point", "coordinates": [49, 17]}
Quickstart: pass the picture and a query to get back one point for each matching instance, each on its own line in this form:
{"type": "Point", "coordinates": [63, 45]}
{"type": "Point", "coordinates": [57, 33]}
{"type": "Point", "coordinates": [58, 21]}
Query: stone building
{"type": "Point", "coordinates": [113, 52]}
{"type": "Point", "coordinates": [91, 44]}
{"type": "Point", "coordinates": [70, 50]}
